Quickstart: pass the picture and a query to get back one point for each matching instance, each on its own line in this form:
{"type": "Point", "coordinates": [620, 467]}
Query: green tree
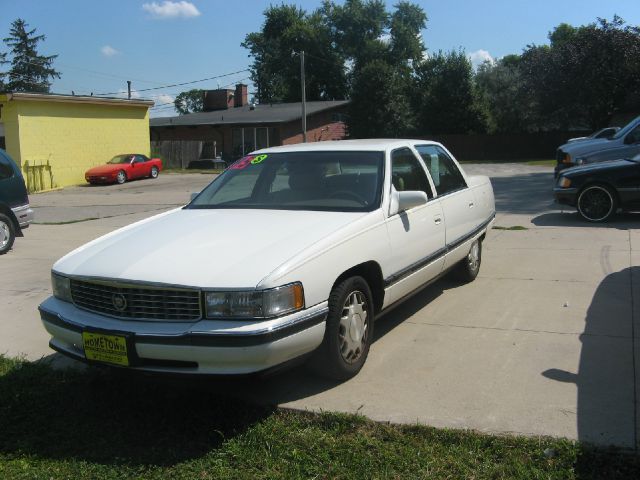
{"type": "Point", "coordinates": [275, 70]}
{"type": "Point", "coordinates": [29, 72]}
{"type": "Point", "coordinates": [445, 97]}
{"type": "Point", "coordinates": [3, 61]}
{"type": "Point", "coordinates": [406, 25]}
{"type": "Point", "coordinates": [379, 105]}
{"type": "Point", "coordinates": [507, 102]}
{"type": "Point", "coordinates": [190, 101]}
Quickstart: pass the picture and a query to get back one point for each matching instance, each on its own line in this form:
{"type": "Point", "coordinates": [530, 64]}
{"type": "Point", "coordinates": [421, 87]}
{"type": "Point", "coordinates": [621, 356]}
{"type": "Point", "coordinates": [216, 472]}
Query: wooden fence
{"type": "Point", "coordinates": [517, 146]}
{"type": "Point", "coordinates": [177, 153]}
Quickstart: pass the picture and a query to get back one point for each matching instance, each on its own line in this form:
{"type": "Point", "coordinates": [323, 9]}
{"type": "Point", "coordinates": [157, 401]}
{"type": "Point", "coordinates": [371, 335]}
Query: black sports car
{"type": "Point", "coordinates": [599, 189]}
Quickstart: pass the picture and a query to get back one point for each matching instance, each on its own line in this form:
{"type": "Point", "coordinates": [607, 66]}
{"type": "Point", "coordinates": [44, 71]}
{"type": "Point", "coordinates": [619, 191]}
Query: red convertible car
{"type": "Point", "coordinates": [124, 167]}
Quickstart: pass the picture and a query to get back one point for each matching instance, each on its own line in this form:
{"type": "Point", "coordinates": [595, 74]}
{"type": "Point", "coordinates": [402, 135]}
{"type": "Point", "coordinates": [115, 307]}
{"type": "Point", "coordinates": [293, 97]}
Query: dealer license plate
{"type": "Point", "coordinates": [105, 348]}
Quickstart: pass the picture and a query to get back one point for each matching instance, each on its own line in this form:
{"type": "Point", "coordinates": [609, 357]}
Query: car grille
{"type": "Point", "coordinates": [137, 301]}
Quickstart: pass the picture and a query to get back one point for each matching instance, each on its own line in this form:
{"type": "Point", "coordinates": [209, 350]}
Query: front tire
{"type": "Point", "coordinates": [597, 203]}
{"type": "Point", "coordinates": [7, 234]}
{"type": "Point", "coordinates": [349, 330]}
{"type": "Point", "coordinates": [469, 266]}
{"type": "Point", "coordinates": [154, 172]}
{"type": "Point", "coordinates": [121, 177]}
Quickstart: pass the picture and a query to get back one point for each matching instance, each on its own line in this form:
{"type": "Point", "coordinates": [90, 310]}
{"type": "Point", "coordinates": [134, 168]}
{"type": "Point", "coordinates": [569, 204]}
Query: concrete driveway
{"type": "Point", "coordinates": [544, 342]}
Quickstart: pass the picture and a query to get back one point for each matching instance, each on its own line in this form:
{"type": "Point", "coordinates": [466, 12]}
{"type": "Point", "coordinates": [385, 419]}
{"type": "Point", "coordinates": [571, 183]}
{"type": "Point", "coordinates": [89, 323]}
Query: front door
{"type": "Point", "coordinates": [417, 236]}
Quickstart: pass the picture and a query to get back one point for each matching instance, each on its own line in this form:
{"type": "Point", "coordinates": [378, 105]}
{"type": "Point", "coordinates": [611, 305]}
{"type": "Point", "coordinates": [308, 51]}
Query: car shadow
{"type": "Point", "coordinates": [570, 218]}
{"type": "Point", "coordinates": [605, 377]}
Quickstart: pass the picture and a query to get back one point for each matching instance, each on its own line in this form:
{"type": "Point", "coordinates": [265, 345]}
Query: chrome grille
{"type": "Point", "coordinates": [140, 301]}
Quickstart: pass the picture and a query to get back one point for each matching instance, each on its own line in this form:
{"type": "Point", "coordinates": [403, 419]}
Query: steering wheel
{"type": "Point", "coordinates": [348, 195]}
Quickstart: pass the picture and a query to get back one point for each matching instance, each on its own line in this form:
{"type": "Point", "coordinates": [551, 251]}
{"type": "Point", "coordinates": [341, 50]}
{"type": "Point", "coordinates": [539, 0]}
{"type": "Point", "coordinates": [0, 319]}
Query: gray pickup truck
{"type": "Point", "coordinates": [624, 144]}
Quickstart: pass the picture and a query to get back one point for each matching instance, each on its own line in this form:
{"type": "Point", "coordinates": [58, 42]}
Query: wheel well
{"type": "Point", "coordinates": [372, 273]}
{"type": "Point", "coordinates": [7, 211]}
{"type": "Point", "coordinates": [594, 183]}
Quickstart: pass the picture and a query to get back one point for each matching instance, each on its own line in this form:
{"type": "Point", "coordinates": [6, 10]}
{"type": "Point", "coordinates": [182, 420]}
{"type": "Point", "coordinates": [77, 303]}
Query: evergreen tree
{"type": "Point", "coordinates": [3, 61]}
{"type": "Point", "coordinates": [29, 72]}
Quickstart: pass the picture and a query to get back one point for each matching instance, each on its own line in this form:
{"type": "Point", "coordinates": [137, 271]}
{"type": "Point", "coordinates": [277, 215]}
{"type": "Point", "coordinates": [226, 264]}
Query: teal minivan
{"type": "Point", "coordinates": [15, 213]}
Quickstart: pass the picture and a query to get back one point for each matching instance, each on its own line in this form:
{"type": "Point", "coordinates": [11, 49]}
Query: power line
{"type": "Point", "coordinates": [179, 84]}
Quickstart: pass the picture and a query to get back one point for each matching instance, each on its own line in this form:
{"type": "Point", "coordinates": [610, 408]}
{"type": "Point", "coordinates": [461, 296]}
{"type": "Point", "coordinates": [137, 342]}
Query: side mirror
{"type": "Point", "coordinates": [403, 201]}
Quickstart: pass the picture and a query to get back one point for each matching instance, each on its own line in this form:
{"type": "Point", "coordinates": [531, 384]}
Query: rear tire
{"type": "Point", "coordinates": [7, 233]}
{"type": "Point", "coordinates": [121, 177]}
{"type": "Point", "coordinates": [154, 172]}
{"type": "Point", "coordinates": [597, 203]}
{"type": "Point", "coordinates": [349, 331]}
{"type": "Point", "coordinates": [469, 267]}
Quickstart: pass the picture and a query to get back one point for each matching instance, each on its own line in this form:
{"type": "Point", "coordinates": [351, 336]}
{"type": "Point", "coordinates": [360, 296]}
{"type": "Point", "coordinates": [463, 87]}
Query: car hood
{"type": "Point", "coordinates": [103, 169]}
{"type": "Point", "coordinates": [595, 167]}
{"type": "Point", "coordinates": [585, 146]}
{"type": "Point", "coordinates": [210, 248]}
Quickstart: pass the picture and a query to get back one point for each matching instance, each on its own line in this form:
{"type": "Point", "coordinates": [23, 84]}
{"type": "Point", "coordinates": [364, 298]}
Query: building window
{"type": "Point", "coordinates": [246, 140]}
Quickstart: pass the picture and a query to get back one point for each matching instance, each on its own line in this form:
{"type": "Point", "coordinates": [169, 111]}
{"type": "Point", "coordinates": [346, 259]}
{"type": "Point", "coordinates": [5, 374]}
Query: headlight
{"type": "Point", "coordinates": [255, 303]}
{"type": "Point", "coordinates": [579, 161]}
{"type": "Point", "coordinates": [567, 158]}
{"type": "Point", "coordinates": [61, 287]}
{"type": "Point", "coordinates": [564, 182]}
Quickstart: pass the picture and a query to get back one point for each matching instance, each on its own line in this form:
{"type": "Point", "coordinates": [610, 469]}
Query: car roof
{"type": "Point", "coordinates": [371, 144]}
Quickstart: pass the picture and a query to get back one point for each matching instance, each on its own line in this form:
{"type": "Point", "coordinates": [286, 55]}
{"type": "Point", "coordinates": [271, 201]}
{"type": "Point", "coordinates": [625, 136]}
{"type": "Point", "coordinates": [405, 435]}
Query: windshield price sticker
{"type": "Point", "coordinates": [258, 159]}
{"type": "Point", "coordinates": [248, 160]}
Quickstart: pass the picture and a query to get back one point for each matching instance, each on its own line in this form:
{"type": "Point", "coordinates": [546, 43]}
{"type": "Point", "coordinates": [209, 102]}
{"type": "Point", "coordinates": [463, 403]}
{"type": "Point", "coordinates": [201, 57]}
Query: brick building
{"type": "Point", "coordinates": [232, 127]}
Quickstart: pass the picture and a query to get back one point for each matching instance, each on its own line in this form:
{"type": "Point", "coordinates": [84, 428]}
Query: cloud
{"type": "Point", "coordinates": [163, 98]}
{"type": "Point", "coordinates": [169, 9]}
{"type": "Point", "coordinates": [109, 51]}
{"type": "Point", "coordinates": [478, 57]}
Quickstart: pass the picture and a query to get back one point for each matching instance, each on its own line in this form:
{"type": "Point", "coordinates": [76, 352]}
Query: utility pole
{"type": "Point", "coordinates": [304, 99]}
{"type": "Point", "coordinates": [129, 89]}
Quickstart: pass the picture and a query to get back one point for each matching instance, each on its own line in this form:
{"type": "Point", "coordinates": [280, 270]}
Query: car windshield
{"type": "Point", "coordinates": [627, 128]}
{"type": "Point", "coordinates": [120, 159]}
{"type": "Point", "coordinates": [330, 181]}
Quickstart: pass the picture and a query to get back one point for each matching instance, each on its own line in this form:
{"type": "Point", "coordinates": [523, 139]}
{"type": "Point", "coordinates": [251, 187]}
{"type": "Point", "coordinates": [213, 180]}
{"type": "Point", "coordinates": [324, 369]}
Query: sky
{"type": "Point", "coordinates": [102, 44]}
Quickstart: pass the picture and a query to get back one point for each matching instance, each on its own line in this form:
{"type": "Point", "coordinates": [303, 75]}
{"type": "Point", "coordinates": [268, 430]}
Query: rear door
{"type": "Point", "coordinates": [417, 236]}
{"type": "Point", "coordinates": [457, 199]}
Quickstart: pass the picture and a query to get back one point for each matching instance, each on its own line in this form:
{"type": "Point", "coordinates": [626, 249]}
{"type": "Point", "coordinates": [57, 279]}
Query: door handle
{"type": "Point", "coordinates": [470, 204]}
{"type": "Point", "coordinates": [437, 220]}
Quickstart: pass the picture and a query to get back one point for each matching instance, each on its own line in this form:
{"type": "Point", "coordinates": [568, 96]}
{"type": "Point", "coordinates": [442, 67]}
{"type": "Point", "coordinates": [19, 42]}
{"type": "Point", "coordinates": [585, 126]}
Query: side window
{"type": "Point", "coordinates": [407, 173]}
{"type": "Point", "coordinates": [140, 159]}
{"type": "Point", "coordinates": [444, 172]}
{"type": "Point", "coordinates": [6, 170]}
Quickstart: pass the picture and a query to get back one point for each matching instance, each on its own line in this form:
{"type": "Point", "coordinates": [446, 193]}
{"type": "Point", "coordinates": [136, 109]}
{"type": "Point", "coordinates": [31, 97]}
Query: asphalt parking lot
{"type": "Point", "coordinates": [544, 342]}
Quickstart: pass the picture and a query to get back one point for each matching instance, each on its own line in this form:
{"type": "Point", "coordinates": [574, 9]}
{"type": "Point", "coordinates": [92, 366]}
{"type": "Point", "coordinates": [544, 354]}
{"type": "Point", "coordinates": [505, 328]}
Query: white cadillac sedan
{"type": "Point", "coordinates": [292, 251]}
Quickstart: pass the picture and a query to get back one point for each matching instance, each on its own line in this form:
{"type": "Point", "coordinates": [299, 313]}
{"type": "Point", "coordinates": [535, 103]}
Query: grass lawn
{"type": "Point", "coordinates": [106, 425]}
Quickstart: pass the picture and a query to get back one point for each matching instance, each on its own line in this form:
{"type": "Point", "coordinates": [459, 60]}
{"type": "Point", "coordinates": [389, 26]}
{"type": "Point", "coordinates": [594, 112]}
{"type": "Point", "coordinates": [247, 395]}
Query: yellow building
{"type": "Point", "coordinates": [56, 138]}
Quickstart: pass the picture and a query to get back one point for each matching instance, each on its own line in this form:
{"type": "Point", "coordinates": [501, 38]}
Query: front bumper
{"type": "Point", "coordinates": [24, 214]}
{"type": "Point", "coordinates": [100, 178]}
{"type": "Point", "coordinates": [566, 196]}
{"type": "Point", "coordinates": [202, 347]}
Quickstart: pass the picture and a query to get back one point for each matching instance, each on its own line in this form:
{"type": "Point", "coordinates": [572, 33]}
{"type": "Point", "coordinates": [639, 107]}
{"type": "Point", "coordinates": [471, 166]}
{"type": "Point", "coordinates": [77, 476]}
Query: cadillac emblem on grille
{"type": "Point", "coordinates": [119, 302]}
